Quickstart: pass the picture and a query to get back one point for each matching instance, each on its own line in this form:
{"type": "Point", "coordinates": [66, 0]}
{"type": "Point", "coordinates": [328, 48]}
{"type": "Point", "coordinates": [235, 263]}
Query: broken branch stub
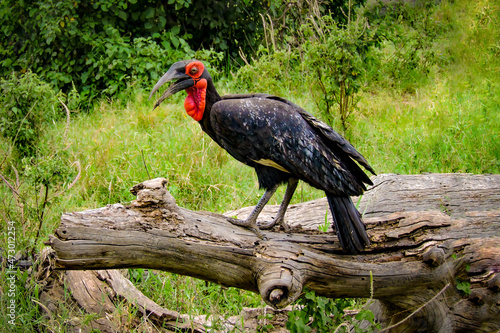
{"type": "Point", "coordinates": [152, 232]}
{"type": "Point", "coordinates": [426, 232]}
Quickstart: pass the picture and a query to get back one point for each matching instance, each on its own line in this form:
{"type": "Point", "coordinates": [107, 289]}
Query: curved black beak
{"type": "Point", "coordinates": [176, 72]}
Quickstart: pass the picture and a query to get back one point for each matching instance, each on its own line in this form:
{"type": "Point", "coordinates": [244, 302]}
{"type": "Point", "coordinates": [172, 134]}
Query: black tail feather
{"type": "Point", "coordinates": [351, 230]}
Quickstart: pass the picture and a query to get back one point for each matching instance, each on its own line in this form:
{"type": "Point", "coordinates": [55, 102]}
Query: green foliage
{"type": "Point", "coordinates": [34, 194]}
{"type": "Point", "coordinates": [273, 72]}
{"type": "Point", "coordinates": [285, 19]}
{"type": "Point", "coordinates": [414, 115]}
{"type": "Point", "coordinates": [321, 314]}
{"type": "Point", "coordinates": [96, 47]}
{"type": "Point", "coordinates": [335, 59]}
{"type": "Point", "coordinates": [462, 281]}
{"type": "Point", "coordinates": [452, 122]}
{"type": "Point", "coordinates": [100, 47]}
{"type": "Point", "coordinates": [48, 170]}
{"type": "Point", "coordinates": [463, 286]}
{"type": "Point", "coordinates": [27, 105]}
{"type": "Point", "coordinates": [191, 296]}
{"type": "Point", "coordinates": [326, 225]}
{"type": "Point", "coordinates": [37, 171]}
{"type": "Point", "coordinates": [103, 46]}
{"type": "Point", "coordinates": [28, 316]}
{"type": "Point", "coordinates": [408, 53]}
{"type": "Point", "coordinates": [379, 46]}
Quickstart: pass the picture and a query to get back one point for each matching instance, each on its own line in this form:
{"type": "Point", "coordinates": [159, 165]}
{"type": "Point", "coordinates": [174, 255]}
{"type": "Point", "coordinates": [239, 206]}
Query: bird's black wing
{"type": "Point", "coordinates": [326, 131]}
{"type": "Point", "coordinates": [329, 134]}
{"type": "Point", "coordinates": [267, 131]}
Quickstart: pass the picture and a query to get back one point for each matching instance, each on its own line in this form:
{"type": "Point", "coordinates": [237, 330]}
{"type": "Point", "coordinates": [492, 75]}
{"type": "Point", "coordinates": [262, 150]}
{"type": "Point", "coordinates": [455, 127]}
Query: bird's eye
{"type": "Point", "coordinates": [193, 70]}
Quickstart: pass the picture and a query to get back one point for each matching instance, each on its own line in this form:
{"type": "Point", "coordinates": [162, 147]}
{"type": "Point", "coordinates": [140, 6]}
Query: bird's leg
{"type": "Point", "coordinates": [251, 221]}
{"type": "Point", "coordinates": [280, 217]}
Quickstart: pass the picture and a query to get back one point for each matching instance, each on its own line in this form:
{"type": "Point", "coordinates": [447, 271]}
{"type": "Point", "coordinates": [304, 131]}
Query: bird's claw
{"type": "Point", "coordinates": [257, 227]}
{"type": "Point", "coordinates": [266, 225]}
{"type": "Point", "coordinates": [269, 225]}
{"type": "Point", "coordinates": [241, 223]}
{"type": "Point", "coordinates": [249, 224]}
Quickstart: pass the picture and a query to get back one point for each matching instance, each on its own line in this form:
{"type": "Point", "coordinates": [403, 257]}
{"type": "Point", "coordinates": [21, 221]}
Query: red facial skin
{"type": "Point", "coordinates": [195, 100]}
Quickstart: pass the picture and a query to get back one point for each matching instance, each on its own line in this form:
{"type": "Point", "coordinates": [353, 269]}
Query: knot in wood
{"type": "Point", "coordinates": [494, 283]}
{"type": "Point", "coordinates": [276, 296]}
{"type": "Point", "coordinates": [279, 285]}
{"type": "Point", "coordinates": [477, 296]}
{"type": "Point", "coordinates": [434, 257]}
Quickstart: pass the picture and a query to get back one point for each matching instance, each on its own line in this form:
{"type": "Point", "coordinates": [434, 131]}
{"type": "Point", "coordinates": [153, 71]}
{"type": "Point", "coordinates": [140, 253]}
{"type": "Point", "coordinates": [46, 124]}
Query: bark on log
{"type": "Point", "coordinates": [431, 235]}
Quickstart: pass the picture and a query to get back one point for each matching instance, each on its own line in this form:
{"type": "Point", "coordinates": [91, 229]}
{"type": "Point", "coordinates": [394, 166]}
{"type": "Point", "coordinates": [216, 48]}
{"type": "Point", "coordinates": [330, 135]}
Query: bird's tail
{"type": "Point", "coordinates": [351, 230]}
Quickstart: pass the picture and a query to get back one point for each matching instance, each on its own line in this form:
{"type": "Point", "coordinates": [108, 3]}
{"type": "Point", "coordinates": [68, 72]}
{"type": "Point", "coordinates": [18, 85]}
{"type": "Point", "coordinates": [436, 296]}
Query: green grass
{"type": "Point", "coordinates": [435, 130]}
{"type": "Point", "coordinates": [192, 296]}
{"type": "Point", "coordinates": [447, 122]}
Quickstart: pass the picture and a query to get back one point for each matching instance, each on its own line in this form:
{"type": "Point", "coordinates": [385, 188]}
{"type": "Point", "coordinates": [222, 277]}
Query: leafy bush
{"type": "Point", "coordinates": [321, 314]}
{"type": "Point", "coordinates": [286, 18]}
{"type": "Point", "coordinates": [38, 170]}
{"type": "Point", "coordinates": [27, 104]}
{"type": "Point", "coordinates": [335, 59]}
{"type": "Point", "coordinates": [31, 188]}
{"type": "Point", "coordinates": [100, 46]}
{"type": "Point", "coordinates": [330, 58]}
{"type": "Point", "coordinates": [409, 32]}
{"type": "Point", "coordinates": [379, 45]}
{"type": "Point", "coordinates": [271, 72]}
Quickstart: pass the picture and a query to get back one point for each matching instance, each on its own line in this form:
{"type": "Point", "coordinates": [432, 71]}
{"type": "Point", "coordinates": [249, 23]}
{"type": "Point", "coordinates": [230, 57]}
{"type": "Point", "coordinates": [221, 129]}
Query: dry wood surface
{"type": "Point", "coordinates": [434, 261]}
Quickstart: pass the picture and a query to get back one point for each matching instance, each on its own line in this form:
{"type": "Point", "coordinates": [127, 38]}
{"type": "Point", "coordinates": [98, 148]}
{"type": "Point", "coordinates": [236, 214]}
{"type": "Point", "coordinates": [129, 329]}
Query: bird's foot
{"type": "Point", "coordinates": [249, 224]}
{"type": "Point", "coordinates": [242, 223]}
{"type": "Point", "coordinates": [269, 225]}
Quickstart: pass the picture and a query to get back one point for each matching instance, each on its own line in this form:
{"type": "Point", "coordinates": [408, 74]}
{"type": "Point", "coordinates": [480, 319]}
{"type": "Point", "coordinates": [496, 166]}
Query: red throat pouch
{"type": "Point", "coordinates": [195, 100]}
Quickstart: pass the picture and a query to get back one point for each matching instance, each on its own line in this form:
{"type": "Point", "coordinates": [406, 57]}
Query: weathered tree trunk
{"type": "Point", "coordinates": [435, 248]}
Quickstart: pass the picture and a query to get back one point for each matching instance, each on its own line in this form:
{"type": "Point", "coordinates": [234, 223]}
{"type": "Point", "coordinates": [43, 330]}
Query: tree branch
{"type": "Point", "coordinates": [427, 231]}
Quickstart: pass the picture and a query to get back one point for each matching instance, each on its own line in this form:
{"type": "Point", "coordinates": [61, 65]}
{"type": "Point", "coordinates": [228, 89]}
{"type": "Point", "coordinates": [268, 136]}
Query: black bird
{"type": "Point", "coordinates": [282, 142]}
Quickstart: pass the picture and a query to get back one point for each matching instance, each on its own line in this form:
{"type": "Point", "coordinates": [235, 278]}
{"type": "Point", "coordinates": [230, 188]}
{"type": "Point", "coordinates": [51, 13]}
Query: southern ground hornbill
{"type": "Point", "coordinates": [282, 142]}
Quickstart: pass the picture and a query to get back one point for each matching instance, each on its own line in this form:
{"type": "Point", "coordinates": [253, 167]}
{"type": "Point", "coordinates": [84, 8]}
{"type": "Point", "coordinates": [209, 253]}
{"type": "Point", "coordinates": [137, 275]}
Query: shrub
{"type": "Point", "coordinates": [322, 314]}
{"type": "Point", "coordinates": [99, 46]}
{"type": "Point", "coordinates": [335, 60]}
{"type": "Point", "coordinates": [409, 32]}
{"type": "Point", "coordinates": [27, 103]}
{"type": "Point", "coordinates": [330, 58]}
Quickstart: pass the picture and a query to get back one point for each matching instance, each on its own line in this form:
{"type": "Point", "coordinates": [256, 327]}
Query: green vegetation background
{"type": "Point", "coordinates": [424, 87]}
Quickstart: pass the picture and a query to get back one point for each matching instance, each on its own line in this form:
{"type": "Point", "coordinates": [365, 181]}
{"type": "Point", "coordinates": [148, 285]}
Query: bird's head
{"type": "Point", "coordinates": [190, 75]}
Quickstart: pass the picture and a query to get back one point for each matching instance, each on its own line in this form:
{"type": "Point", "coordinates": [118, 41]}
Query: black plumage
{"type": "Point", "coordinates": [284, 144]}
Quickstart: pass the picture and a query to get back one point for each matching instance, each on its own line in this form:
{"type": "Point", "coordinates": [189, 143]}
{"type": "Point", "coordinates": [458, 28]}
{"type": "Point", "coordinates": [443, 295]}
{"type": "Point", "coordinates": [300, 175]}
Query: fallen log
{"type": "Point", "coordinates": [435, 248]}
